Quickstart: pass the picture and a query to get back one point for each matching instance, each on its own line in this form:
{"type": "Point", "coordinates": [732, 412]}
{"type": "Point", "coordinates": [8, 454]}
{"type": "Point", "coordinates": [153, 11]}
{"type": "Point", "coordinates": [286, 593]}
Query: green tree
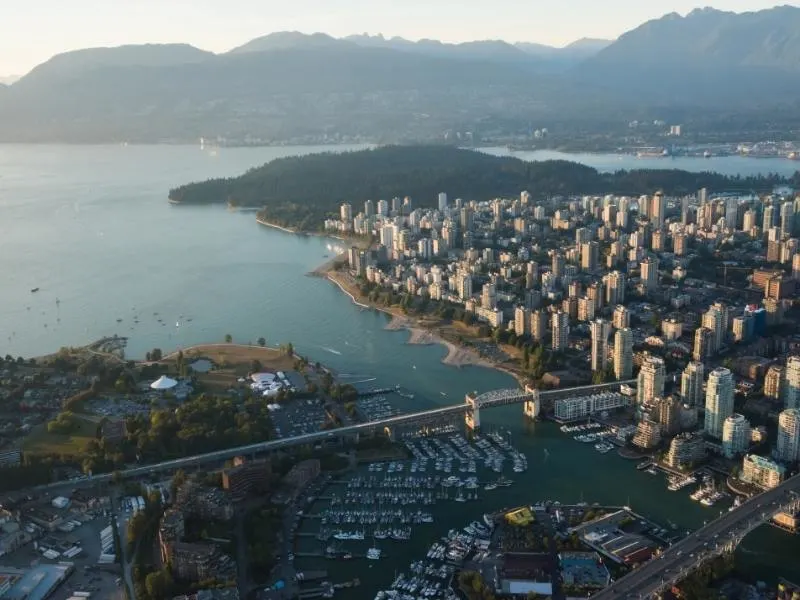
{"type": "Point", "coordinates": [159, 584]}
{"type": "Point", "coordinates": [228, 338]}
{"type": "Point", "coordinates": [262, 342]}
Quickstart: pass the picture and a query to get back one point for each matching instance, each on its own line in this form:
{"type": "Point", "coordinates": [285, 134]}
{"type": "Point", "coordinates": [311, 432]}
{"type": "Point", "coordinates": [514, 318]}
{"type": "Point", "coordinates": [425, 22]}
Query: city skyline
{"type": "Point", "coordinates": [39, 30]}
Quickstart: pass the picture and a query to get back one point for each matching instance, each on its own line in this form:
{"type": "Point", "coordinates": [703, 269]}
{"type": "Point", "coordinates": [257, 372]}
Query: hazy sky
{"type": "Point", "coordinates": [31, 31]}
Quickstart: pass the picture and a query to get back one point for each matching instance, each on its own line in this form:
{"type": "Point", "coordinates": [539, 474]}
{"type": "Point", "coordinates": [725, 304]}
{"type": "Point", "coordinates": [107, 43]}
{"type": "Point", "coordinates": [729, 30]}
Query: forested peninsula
{"type": "Point", "coordinates": [300, 192]}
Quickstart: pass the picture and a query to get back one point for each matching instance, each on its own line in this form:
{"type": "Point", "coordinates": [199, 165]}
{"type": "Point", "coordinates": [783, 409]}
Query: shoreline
{"type": "Point", "coordinates": [457, 356]}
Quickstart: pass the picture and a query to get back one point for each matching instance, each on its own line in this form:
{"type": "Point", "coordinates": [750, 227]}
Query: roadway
{"type": "Point", "coordinates": [220, 456]}
{"type": "Point", "coordinates": [681, 558]}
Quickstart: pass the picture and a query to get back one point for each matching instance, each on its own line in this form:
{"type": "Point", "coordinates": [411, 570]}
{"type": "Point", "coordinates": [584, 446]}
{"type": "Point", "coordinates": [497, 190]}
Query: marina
{"type": "Point", "coordinates": [364, 515]}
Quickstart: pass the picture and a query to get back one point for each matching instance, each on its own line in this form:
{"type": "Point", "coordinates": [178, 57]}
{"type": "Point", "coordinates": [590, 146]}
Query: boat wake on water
{"type": "Point", "coordinates": [331, 350]}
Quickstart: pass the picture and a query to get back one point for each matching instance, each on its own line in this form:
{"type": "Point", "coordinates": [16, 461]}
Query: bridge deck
{"type": "Point", "coordinates": [680, 559]}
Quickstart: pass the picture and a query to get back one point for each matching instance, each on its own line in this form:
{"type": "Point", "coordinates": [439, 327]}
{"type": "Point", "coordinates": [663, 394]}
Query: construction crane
{"type": "Point", "coordinates": [727, 268]}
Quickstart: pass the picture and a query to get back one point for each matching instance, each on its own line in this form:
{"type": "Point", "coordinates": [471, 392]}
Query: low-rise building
{"type": "Point", "coordinates": [762, 472]}
{"type": "Point", "coordinates": [648, 434]}
{"type": "Point", "coordinates": [569, 409]}
{"type": "Point", "coordinates": [194, 562]}
{"type": "Point", "coordinates": [245, 476]}
{"type": "Point", "coordinates": [685, 450]}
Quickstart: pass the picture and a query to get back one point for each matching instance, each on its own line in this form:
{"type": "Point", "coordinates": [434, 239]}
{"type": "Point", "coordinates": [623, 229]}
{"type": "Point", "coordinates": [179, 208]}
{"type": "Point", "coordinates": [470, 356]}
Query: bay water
{"type": "Point", "coordinates": [90, 226]}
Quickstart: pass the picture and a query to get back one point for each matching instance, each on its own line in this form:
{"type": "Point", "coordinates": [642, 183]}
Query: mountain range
{"type": "Point", "coordinates": [292, 86]}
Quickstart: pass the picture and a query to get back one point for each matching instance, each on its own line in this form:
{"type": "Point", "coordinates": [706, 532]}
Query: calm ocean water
{"type": "Point", "coordinates": [91, 227]}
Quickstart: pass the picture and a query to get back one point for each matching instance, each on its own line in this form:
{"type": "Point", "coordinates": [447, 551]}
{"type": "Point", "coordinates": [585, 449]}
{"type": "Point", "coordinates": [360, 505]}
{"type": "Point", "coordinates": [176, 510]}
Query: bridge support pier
{"type": "Point", "coordinates": [472, 416]}
{"type": "Point", "coordinates": [532, 405]}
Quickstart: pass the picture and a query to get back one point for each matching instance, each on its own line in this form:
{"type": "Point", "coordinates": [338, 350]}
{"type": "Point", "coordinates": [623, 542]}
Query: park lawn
{"type": "Point", "coordinates": [238, 357]}
{"type": "Point", "coordinates": [41, 442]}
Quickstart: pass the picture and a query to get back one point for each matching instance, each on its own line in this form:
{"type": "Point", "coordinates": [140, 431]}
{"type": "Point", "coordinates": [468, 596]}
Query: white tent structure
{"type": "Point", "coordinates": [163, 383]}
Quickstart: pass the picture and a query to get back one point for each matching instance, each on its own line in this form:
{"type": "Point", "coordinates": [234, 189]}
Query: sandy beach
{"type": "Point", "coordinates": [456, 356]}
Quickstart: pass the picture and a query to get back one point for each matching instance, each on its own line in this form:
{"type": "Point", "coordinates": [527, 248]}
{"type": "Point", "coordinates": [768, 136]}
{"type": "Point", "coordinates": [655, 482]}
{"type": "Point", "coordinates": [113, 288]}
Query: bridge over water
{"type": "Point", "coordinates": [718, 537]}
{"type": "Point", "coordinates": [470, 410]}
{"type": "Point", "coordinates": [531, 399]}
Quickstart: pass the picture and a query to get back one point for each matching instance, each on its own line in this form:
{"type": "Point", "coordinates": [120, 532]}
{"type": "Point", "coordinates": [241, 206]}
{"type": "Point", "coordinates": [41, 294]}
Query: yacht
{"type": "Point", "coordinates": [490, 486]}
{"type": "Point", "coordinates": [374, 553]}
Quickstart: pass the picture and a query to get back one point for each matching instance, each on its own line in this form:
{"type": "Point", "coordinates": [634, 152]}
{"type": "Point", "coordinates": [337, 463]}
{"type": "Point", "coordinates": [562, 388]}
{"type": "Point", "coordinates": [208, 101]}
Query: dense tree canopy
{"type": "Point", "coordinates": [301, 191]}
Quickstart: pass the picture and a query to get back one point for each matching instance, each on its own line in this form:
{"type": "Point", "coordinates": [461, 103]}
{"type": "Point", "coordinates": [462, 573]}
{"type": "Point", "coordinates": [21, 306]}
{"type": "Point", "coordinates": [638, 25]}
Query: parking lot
{"type": "Point", "coordinates": [298, 417]}
{"type": "Point", "coordinates": [88, 576]}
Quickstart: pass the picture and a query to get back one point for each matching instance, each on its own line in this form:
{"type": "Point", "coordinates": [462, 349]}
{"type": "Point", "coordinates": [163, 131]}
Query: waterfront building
{"type": "Point", "coordinates": [648, 434]}
{"type": "Point", "coordinates": [692, 383]}
{"type": "Point", "coordinates": [559, 324]}
{"type": "Point", "coordinates": [668, 413]}
{"type": "Point", "coordinates": [791, 383]}
{"type": "Point", "coordinates": [623, 354]}
{"type": "Point", "coordinates": [703, 344]}
{"type": "Point", "coordinates": [571, 409]}
{"type": "Point", "coordinates": [442, 202]}
{"type": "Point", "coordinates": [649, 272]}
{"type": "Point", "coordinates": [773, 382]}
{"type": "Point", "coordinates": [522, 321]}
{"type": "Point", "coordinates": [621, 318]}
{"type": "Point", "coordinates": [600, 329]}
{"type": "Point", "coordinates": [671, 329]}
{"type": "Point", "coordinates": [762, 472]}
{"type": "Point", "coordinates": [383, 208]}
{"type": "Point", "coordinates": [651, 380]}
{"type": "Point", "coordinates": [788, 447]}
{"type": "Point", "coordinates": [685, 451]}
{"type": "Point", "coordinates": [538, 325]}
{"type": "Point", "coordinates": [615, 288]}
{"type": "Point", "coordinates": [719, 401]}
{"type": "Point", "coordinates": [735, 435]}
{"type": "Point", "coordinates": [346, 215]}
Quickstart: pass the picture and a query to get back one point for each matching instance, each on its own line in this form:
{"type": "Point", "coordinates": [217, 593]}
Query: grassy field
{"type": "Point", "coordinates": [231, 362]}
{"type": "Point", "coordinates": [42, 442]}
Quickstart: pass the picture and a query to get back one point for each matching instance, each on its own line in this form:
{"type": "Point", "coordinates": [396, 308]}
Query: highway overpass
{"type": "Point", "coordinates": [719, 536]}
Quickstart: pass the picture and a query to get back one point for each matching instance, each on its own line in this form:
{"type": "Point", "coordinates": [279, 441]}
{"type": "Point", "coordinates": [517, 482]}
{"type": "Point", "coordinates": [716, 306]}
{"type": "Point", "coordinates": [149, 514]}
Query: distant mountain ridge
{"type": "Point", "coordinates": [715, 52]}
{"type": "Point", "coordinates": [290, 86]}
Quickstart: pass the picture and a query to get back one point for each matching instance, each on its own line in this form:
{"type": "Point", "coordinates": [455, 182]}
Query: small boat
{"type": "Point", "coordinates": [34, 290]}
